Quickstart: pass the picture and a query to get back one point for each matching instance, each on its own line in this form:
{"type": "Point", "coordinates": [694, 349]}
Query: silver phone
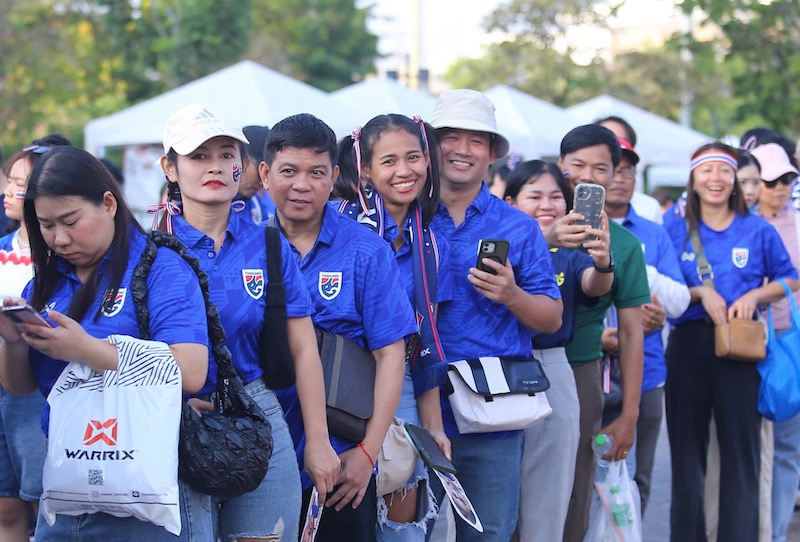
{"type": "Point", "coordinates": [590, 200]}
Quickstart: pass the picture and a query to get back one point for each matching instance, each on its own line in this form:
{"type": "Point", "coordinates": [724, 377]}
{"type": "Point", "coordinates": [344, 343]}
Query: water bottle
{"type": "Point", "coordinates": [620, 508]}
{"type": "Point", "coordinates": [601, 445]}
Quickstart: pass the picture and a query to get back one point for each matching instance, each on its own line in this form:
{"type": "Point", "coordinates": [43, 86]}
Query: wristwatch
{"type": "Point", "coordinates": [610, 268]}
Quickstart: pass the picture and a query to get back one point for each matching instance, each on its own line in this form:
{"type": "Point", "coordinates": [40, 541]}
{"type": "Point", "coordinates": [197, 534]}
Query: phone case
{"type": "Point", "coordinates": [429, 451]}
{"type": "Point", "coordinates": [495, 249]}
{"type": "Point", "coordinates": [590, 200]}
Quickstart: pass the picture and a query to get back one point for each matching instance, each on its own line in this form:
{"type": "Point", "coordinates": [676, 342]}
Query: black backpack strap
{"type": "Point", "coordinates": [216, 333]}
{"type": "Point", "coordinates": [276, 292]}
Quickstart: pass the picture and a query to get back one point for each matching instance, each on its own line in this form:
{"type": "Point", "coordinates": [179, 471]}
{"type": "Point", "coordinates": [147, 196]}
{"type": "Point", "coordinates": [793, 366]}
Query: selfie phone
{"type": "Point", "coordinates": [428, 450]}
{"type": "Point", "coordinates": [590, 200]}
{"type": "Point", "coordinates": [494, 249]}
{"type": "Point", "coordinates": [26, 314]}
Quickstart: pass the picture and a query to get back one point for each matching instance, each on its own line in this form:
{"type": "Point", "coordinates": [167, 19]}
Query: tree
{"type": "Point", "coordinates": [761, 55]}
{"type": "Point", "coordinates": [536, 58]}
{"type": "Point", "coordinates": [325, 43]}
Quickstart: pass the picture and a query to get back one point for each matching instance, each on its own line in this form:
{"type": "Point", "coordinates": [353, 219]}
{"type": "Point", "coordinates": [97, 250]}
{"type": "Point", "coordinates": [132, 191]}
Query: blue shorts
{"type": "Point", "coordinates": [274, 506]}
{"type": "Point", "coordinates": [22, 445]}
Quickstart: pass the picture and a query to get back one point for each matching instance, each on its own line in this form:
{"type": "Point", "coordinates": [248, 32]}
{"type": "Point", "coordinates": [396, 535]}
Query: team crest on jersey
{"type": "Point", "coordinates": [329, 285]}
{"type": "Point", "coordinates": [253, 282]}
{"type": "Point", "coordinates": [113, 304]}
{"type": "Point", "coordinates": [740, 256]}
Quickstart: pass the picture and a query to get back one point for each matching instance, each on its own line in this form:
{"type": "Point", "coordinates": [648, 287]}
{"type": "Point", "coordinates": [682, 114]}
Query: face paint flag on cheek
{"type": "Point", "coordinates": [237, 172]}
{"type": "Point", "coordinates": [19, 195]}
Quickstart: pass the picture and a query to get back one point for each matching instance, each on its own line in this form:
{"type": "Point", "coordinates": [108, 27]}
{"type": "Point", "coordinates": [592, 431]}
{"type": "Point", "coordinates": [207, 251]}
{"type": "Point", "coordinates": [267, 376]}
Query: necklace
{"type": "Point", "coordinates": [23, 244]}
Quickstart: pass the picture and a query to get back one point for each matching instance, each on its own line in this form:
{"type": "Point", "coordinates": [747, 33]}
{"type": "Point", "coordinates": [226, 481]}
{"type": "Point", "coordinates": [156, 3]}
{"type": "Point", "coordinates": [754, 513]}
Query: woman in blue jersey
{"type": "Point", "coordinates": [744, 252]}
{"type": "Point", "coordinates": [397, 200]}
{"type": "Point", "coordinates": [204, 157]}
{"type": "Point", "coordinates": [23, 446]}
{"type": "Point", "coordinates": [540, 190]}
{"type": "Point", "coordinates": [85, 244]}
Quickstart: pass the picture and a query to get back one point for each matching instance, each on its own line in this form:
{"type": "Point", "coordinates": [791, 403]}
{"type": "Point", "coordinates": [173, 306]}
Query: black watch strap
{"type": "Point", "coordinates": [610, 268]}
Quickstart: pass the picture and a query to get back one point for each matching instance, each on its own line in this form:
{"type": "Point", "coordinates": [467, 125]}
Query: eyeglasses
{"type": "Point", "coordinates": [36, 149]}
{"type": "Point", "coordinates": [627, 173]}
{"type": "Point", "coordinates": [785, 181]}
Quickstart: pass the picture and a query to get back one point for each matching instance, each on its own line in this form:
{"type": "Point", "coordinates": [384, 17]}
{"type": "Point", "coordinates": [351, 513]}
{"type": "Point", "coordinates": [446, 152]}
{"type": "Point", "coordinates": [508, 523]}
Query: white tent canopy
{"type": "Point", "coordinates": [660, 142]}
{"type": "Point", "coordinates": [254, 93]}
{"type": "Point", "coordinates": [534, 127]}
{"type": "Point", "coordinates": [381, 96]}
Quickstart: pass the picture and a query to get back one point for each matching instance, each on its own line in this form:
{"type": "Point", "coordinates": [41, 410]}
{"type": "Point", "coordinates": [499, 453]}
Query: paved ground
{"type": "Point", "coordinates": [655, 526]}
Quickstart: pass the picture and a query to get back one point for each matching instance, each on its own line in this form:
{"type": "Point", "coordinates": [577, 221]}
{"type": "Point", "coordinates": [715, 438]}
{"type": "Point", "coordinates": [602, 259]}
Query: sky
{"type": "Point", "coordinates": [453, 29]}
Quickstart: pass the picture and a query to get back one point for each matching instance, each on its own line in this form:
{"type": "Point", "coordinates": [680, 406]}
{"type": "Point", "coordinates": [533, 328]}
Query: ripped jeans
{"type": "Point", "coordinates": [388, 530]}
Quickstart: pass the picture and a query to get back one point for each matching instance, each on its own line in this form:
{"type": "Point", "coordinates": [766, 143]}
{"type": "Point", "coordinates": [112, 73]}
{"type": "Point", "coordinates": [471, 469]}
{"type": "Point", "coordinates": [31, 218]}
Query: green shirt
{"type": "Point", "coordinates": [630, 289]}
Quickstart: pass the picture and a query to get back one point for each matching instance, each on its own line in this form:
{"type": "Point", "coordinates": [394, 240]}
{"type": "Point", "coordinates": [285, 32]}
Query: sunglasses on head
{"type": "Point", "coordinates": [785, 181]}
{"type": "Point", "coordinates": [36, 149]}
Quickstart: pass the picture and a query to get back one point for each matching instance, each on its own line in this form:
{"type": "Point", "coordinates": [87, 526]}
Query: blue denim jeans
{"type": "Point", "coordinates": [785, 475]}
{"type": "Point", "coordinates": [387, 529]}
{"type": "Point", "coordinates": [22, 445]}
{"type": "Point", "coordinates": [274, 506]}
{"type": "Point", "coordinates": [489, 471]}
{"type": "Point", "coordinates": [196, 524]}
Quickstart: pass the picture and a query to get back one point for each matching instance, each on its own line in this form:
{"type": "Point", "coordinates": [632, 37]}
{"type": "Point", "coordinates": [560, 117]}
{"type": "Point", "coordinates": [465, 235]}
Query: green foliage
{"type": "Point", "coordinates": [322, 42]}
{"type": "Point", "coordinates": [761, 57]}
{"type": "Point", "coordinates": [66, 62]}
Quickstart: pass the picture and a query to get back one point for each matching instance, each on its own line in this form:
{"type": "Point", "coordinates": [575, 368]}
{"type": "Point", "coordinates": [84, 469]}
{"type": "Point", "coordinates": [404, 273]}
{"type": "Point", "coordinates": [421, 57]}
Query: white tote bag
{"type": "Point", "coordinates": [113, 438]}
{"type": "Point", "coordinates": [497, 394]}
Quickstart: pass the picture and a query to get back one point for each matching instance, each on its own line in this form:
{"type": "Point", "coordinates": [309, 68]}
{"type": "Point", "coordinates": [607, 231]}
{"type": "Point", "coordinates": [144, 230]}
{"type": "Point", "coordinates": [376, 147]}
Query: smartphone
{"type": "Point", "coordinates": [590, 200]}
{"type": "Point", "coordinates": [20, 314]}
{"type": "Point", "coordinates": [428, 450]}
{"type": "Point", "coordinates": [494, 249]}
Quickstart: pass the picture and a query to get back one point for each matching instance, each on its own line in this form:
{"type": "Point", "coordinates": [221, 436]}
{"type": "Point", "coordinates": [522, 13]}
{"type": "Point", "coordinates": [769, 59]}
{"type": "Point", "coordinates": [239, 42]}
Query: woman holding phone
{"type": "Point", "coordinates": [540, 190]}
{"type": "Point", "coordinates": [85, 244]}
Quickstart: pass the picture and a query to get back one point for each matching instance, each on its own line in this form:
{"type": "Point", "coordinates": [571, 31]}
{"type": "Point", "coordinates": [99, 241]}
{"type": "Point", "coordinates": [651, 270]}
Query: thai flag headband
{"type": "Point", "coordinates": [714, 156]}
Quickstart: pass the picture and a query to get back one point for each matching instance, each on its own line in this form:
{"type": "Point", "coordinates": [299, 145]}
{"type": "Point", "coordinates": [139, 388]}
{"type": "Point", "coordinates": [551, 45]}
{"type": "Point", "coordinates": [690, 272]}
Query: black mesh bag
{"type": "Point", "coordinates": [224, 453]}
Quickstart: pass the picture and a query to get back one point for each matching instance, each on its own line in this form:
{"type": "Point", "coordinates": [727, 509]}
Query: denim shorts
{"type": "Point", "coordinates": [196, 524]}
{"type": "Point", "coordinates": [22, 445]}
{"type": "Point", "coordinates": [274, 506]}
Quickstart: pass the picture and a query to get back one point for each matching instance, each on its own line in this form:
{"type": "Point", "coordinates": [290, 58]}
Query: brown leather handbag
{"type": "Point", "coordinates": [740, 340]}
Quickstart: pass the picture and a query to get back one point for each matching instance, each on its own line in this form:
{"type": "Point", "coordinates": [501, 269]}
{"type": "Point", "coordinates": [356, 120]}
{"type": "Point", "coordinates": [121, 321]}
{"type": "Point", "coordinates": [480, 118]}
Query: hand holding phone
{"type": "Point", "coordinates": [24, 314]}
{"type": "Point", "coordinates": [590, 200]}
{"type": "Point", "coordinates": [494, 249]}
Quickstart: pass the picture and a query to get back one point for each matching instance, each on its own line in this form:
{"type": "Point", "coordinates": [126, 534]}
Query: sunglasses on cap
{"type": "Point", "coordinates": [785, 180]}
{"type": "Point", "coordinates": [36, 149]}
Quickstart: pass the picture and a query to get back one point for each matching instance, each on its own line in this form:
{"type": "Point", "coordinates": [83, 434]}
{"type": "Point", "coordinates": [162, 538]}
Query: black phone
{"type": "Point", "coordinates": [428, 450]}
{"type": "Point", "coordinates": [20, 314]}
{"type": "Point", "coordinates": [494, 249]}
{"type": "Point", "coordinates": [590, 200]}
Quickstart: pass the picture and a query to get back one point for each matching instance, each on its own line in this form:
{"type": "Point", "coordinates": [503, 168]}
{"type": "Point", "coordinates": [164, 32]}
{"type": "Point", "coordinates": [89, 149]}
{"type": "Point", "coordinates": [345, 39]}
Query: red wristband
{"type": "Point", "coordinates": [371, 462]}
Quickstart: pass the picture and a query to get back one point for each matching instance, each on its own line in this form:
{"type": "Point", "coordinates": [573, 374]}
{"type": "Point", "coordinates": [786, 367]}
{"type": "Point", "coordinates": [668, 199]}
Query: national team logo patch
{"type": "Point", "coordinates": [329, 285]}
{"type": "Point", "coordinates": [253, 282]}
{"type": "Point", "coordinates": [740, 257]}
{"type": "Point", "coordinates": [97, 431]}
{"type": "Point", "coordinates": [113, 304]}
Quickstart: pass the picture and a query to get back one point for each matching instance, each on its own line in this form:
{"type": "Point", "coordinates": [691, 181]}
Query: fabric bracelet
{"type": "Point", "coordinates": [371, 462]}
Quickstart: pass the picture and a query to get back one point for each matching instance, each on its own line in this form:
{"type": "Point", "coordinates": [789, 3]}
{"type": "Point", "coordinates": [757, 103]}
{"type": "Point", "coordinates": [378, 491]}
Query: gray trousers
{"type": "Point", "coordinates": [589, 383]}
{"type": "Point", "coordinates": [547, 474]}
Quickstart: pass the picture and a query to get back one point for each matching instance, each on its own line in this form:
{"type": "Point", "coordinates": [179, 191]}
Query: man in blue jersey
{"type": "Point", "coordinates": [357, 292]}
{"type": "Point", "coordinates": [490, 314]}
{"type": "Point", "coordinates": [670, 297]}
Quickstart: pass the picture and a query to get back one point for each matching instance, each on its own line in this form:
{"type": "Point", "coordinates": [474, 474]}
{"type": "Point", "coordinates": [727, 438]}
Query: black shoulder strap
{"type": "Point", "coordinates": [276, 293]}
{"type": "Point", "coordinates": [216, 333]}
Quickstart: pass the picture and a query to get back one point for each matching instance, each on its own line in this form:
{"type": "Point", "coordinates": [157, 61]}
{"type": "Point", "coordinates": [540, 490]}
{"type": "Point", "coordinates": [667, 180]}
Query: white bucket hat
{"type": "Point", "coordinates": [464, 109]}
{"type": "Point", "coordinates": [191, 126]}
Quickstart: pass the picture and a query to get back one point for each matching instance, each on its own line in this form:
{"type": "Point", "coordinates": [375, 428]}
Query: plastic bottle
{"type": "Point", "coordinates": [620, 508]}
{"type": "Point", "coordinates": [601, 445]}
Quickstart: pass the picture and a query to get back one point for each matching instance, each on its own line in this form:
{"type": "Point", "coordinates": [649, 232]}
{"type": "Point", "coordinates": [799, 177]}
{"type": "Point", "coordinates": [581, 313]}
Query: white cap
{"type": "Point", "coordinates": [774, 161]}
{"type": "Point", "coordinates": [193, 125]}
{"type": "Point", "coordinates": [464, 109]}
